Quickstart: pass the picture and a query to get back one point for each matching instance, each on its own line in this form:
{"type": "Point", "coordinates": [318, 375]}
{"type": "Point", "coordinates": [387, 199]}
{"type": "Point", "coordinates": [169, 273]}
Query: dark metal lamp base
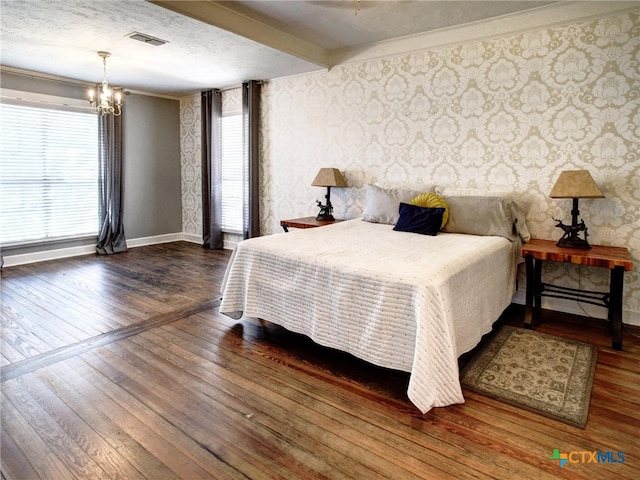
{"type": "Point", "coordinates": [573, 242]}
{"type": "Point", "coordinates": [325, 218]}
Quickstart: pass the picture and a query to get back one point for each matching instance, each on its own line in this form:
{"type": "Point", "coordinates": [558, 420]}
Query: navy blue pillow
{"type": "Point", "coordinates": [416, 219]}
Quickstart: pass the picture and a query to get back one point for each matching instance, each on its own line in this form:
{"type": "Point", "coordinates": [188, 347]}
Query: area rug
{"type": "Point", "coordinates": [542, 373]}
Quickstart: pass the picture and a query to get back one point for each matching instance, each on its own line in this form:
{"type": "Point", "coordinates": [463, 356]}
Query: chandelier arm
{"type": "Point", "coordinates": [109, 101]}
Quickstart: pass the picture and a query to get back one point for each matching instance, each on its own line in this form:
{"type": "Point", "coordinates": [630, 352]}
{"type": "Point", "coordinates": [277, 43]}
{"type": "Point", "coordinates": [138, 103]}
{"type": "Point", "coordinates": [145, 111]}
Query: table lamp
{"type": "Point", "coordinates": [574, 184]}
{"type": "Point", "coordinates": [328, 177]}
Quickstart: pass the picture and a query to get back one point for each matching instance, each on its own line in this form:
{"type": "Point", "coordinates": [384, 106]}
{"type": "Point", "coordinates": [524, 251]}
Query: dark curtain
{"type": "Point", "coordinates": [111, 237]}
{"type": "Point", "coordinates": [211, 114]}
{"type": "Point", "coordinates": [251, 137]}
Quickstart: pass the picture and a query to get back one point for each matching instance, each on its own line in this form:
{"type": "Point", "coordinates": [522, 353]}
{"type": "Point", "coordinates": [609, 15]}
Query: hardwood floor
{"type": "Point", "coordinates": [121, 367]}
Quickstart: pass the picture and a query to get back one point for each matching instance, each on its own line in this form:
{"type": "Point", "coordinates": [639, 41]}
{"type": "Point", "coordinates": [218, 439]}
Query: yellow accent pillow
{"type": "Point", "coordinates": [432, 200]}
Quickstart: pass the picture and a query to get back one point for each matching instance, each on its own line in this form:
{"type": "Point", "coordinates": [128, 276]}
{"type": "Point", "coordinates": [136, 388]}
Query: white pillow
{"type": "Point", "coordinates": [383, 204]}
{"type": "Point", "coordinates": [521, 200]}
{"type": "Point", "coordinates": [482, 215]}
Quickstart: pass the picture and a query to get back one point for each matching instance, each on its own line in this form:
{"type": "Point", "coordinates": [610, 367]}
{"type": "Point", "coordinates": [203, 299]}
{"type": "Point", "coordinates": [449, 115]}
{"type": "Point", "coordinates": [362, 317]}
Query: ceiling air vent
{"type": "Point", "coordinates": [144, 38]}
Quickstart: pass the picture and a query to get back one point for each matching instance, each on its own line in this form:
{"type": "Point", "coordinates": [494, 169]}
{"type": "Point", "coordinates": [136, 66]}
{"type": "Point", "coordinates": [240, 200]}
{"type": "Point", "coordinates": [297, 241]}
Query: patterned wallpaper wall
{"type": "Point", "coordinates": [190, 161]}
{"type": "Point", "coordinates": [509, 113]}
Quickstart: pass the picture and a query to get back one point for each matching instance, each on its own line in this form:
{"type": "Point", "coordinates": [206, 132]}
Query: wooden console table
{"type": "Point", "coordinates": [305, 222]}
{"type": "Point", "coordinates": [616, 259]}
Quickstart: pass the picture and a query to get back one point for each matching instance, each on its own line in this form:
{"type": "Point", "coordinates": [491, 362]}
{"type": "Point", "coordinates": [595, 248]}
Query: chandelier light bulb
{"type": "Point", "coordinates": [106, 105]}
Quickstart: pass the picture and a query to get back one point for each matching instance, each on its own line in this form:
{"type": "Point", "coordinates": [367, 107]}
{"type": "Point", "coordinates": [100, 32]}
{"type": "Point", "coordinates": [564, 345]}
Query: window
{"type": "Point", "coordinates": [49, 173]}
{"type": "Point", "coordinates": [233, 172]}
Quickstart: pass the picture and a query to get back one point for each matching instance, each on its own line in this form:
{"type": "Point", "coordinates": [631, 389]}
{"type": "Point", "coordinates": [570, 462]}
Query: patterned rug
{"type": "Point", "coordinates": [541, 373]}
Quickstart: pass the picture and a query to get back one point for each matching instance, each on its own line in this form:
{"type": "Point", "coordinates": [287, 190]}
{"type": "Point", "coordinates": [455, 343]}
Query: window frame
{"type": "Point", "coordinates": [64, 104]}
{"type": "Point", "coordinates": [239, 151]}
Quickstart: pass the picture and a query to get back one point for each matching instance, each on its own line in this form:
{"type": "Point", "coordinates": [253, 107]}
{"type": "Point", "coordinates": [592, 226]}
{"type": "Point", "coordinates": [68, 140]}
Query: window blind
{"type": "Point", "coordinates": [49, 174]}
{"type": "Point", "coordinates": [233, 172]}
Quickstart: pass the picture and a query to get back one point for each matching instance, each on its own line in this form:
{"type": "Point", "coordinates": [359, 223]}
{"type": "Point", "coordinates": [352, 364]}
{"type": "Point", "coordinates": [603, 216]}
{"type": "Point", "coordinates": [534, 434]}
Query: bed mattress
{"type": "Point", "coordinates": [396, 299]}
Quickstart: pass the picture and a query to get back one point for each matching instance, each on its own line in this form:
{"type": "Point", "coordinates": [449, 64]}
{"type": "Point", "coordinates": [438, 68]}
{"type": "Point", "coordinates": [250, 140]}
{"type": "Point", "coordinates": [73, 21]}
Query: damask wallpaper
{"type": "Point", "coordinates": [508, 113]}
{"type": "Point", "coordinates": [190, 161]}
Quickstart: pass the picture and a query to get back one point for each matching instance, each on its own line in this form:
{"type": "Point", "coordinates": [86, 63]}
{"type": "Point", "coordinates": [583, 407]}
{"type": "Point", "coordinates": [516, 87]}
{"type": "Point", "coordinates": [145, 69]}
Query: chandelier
{"type": "Point", "coordinates": [109, 100]}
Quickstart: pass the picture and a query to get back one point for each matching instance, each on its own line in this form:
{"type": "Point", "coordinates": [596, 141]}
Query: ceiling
{"type": "Point", "coordinates": [217, 44]}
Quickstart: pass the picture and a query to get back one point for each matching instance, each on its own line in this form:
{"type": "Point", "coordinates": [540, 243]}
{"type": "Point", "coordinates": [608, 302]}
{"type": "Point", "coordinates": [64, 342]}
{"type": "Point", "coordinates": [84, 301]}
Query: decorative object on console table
{"type": "Point", "coordinates": [616, 259]}
{"type": "Point", "coordinates": [305, 222]}
{"type": "Point", "coordinates": [328, 177]}
{"type": "Point", "coordinates": [574, 184]}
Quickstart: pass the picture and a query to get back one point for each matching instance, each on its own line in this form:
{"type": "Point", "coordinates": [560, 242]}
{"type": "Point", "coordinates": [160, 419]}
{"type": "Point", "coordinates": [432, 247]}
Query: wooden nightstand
{"type": "Point", "coordinates": [616, 259]}
{"type": "Point", "coordinates": [304, 222]}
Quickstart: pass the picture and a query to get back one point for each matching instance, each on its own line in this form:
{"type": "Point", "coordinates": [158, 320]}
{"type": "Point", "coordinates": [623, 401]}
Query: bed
{"type": "Point", "coordinates": [396, 299]}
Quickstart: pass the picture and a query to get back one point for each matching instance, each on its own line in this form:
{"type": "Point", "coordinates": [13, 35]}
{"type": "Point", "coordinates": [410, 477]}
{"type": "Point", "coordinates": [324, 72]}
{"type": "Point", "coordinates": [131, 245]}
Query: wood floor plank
{"type": "Point", "coordinates": [22, 336]}
{"type": "Point", "coordinates": [76, 429]}
{"type": "Point", "coordinates": [4, 360]}
{"type": "Point", "coordinates": [28, 365]}
{"type": "Point", "coordinates": [46, 302]}
{"type": "Point", "coordinates": [330, 407]}
{"type": "Point", "coordinates": [14, 461]}
{"type": "Point", "coordinates": [59, 297]}
{"type": "Point", "coordinates": [157, 384]}
{"type": "Point", "coordinates": [154, 446]}
{"type": "Point", "coordinates": [101, 293]}
{"type": "Point", "coordinates": [507, 433]}
{"type": "Point", "coordinates": [272, 408]}
{"type": "Point", "coordinates": [175, 448]}
{"type": "Point", "coordinates": [64, 446]}
{"type": "Point", "coordinates": [86, 283]}
{"type": "Point", "coordinates": [299, 354]}
{"type": "Point", "coordinates": [44, 459]}
{"type": "Point", "coordinates": [252, 451]}
{"type": "Point", "coordinates": [303, 451]}
{"type": "Point", "coordinates": [533, 445]}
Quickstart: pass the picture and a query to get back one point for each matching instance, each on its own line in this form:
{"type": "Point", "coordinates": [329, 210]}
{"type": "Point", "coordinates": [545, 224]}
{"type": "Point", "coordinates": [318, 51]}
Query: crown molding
{"type": "Point", "coordinates": [78, 83]}
{"type": "Point", "coordinates": [543, 17]}
{"type": "Point", "coordinates": [45, 76]}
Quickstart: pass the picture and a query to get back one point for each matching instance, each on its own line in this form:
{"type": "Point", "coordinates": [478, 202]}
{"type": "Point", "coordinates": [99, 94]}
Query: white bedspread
{"type": "Point", "coordinates": [396, 299]}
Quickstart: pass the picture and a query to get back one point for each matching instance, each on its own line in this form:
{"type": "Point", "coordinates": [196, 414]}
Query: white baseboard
{"type": "Point", "coordinates": [192, 238]}
{"type": "Point", "coordinates": [230, 239]}
{"type": "Point", "coordinates": [154, 240]}
{"type": "Point", "coordinates": [229, 243]}
{"type": "Point", "coordinates": [24, 258]}
{"type": "Point", "coordinates": [58, 253]}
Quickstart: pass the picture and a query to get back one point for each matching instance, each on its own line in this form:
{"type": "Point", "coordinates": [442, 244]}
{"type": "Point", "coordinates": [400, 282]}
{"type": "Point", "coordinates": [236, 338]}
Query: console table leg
{"type": "Point", "coordinates": [537, 293]}
{"type": "Point", "coordinates": [615, 306]}
{"type": "Point", "coordinates": [528, 311]}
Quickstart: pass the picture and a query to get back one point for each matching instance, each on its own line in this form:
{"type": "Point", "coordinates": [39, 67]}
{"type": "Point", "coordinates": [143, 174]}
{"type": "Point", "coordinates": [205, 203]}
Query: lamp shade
{"type": "Point", "coordinates": [575, 184]}
{"type": "Point", "coordinates": [329, 177]}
